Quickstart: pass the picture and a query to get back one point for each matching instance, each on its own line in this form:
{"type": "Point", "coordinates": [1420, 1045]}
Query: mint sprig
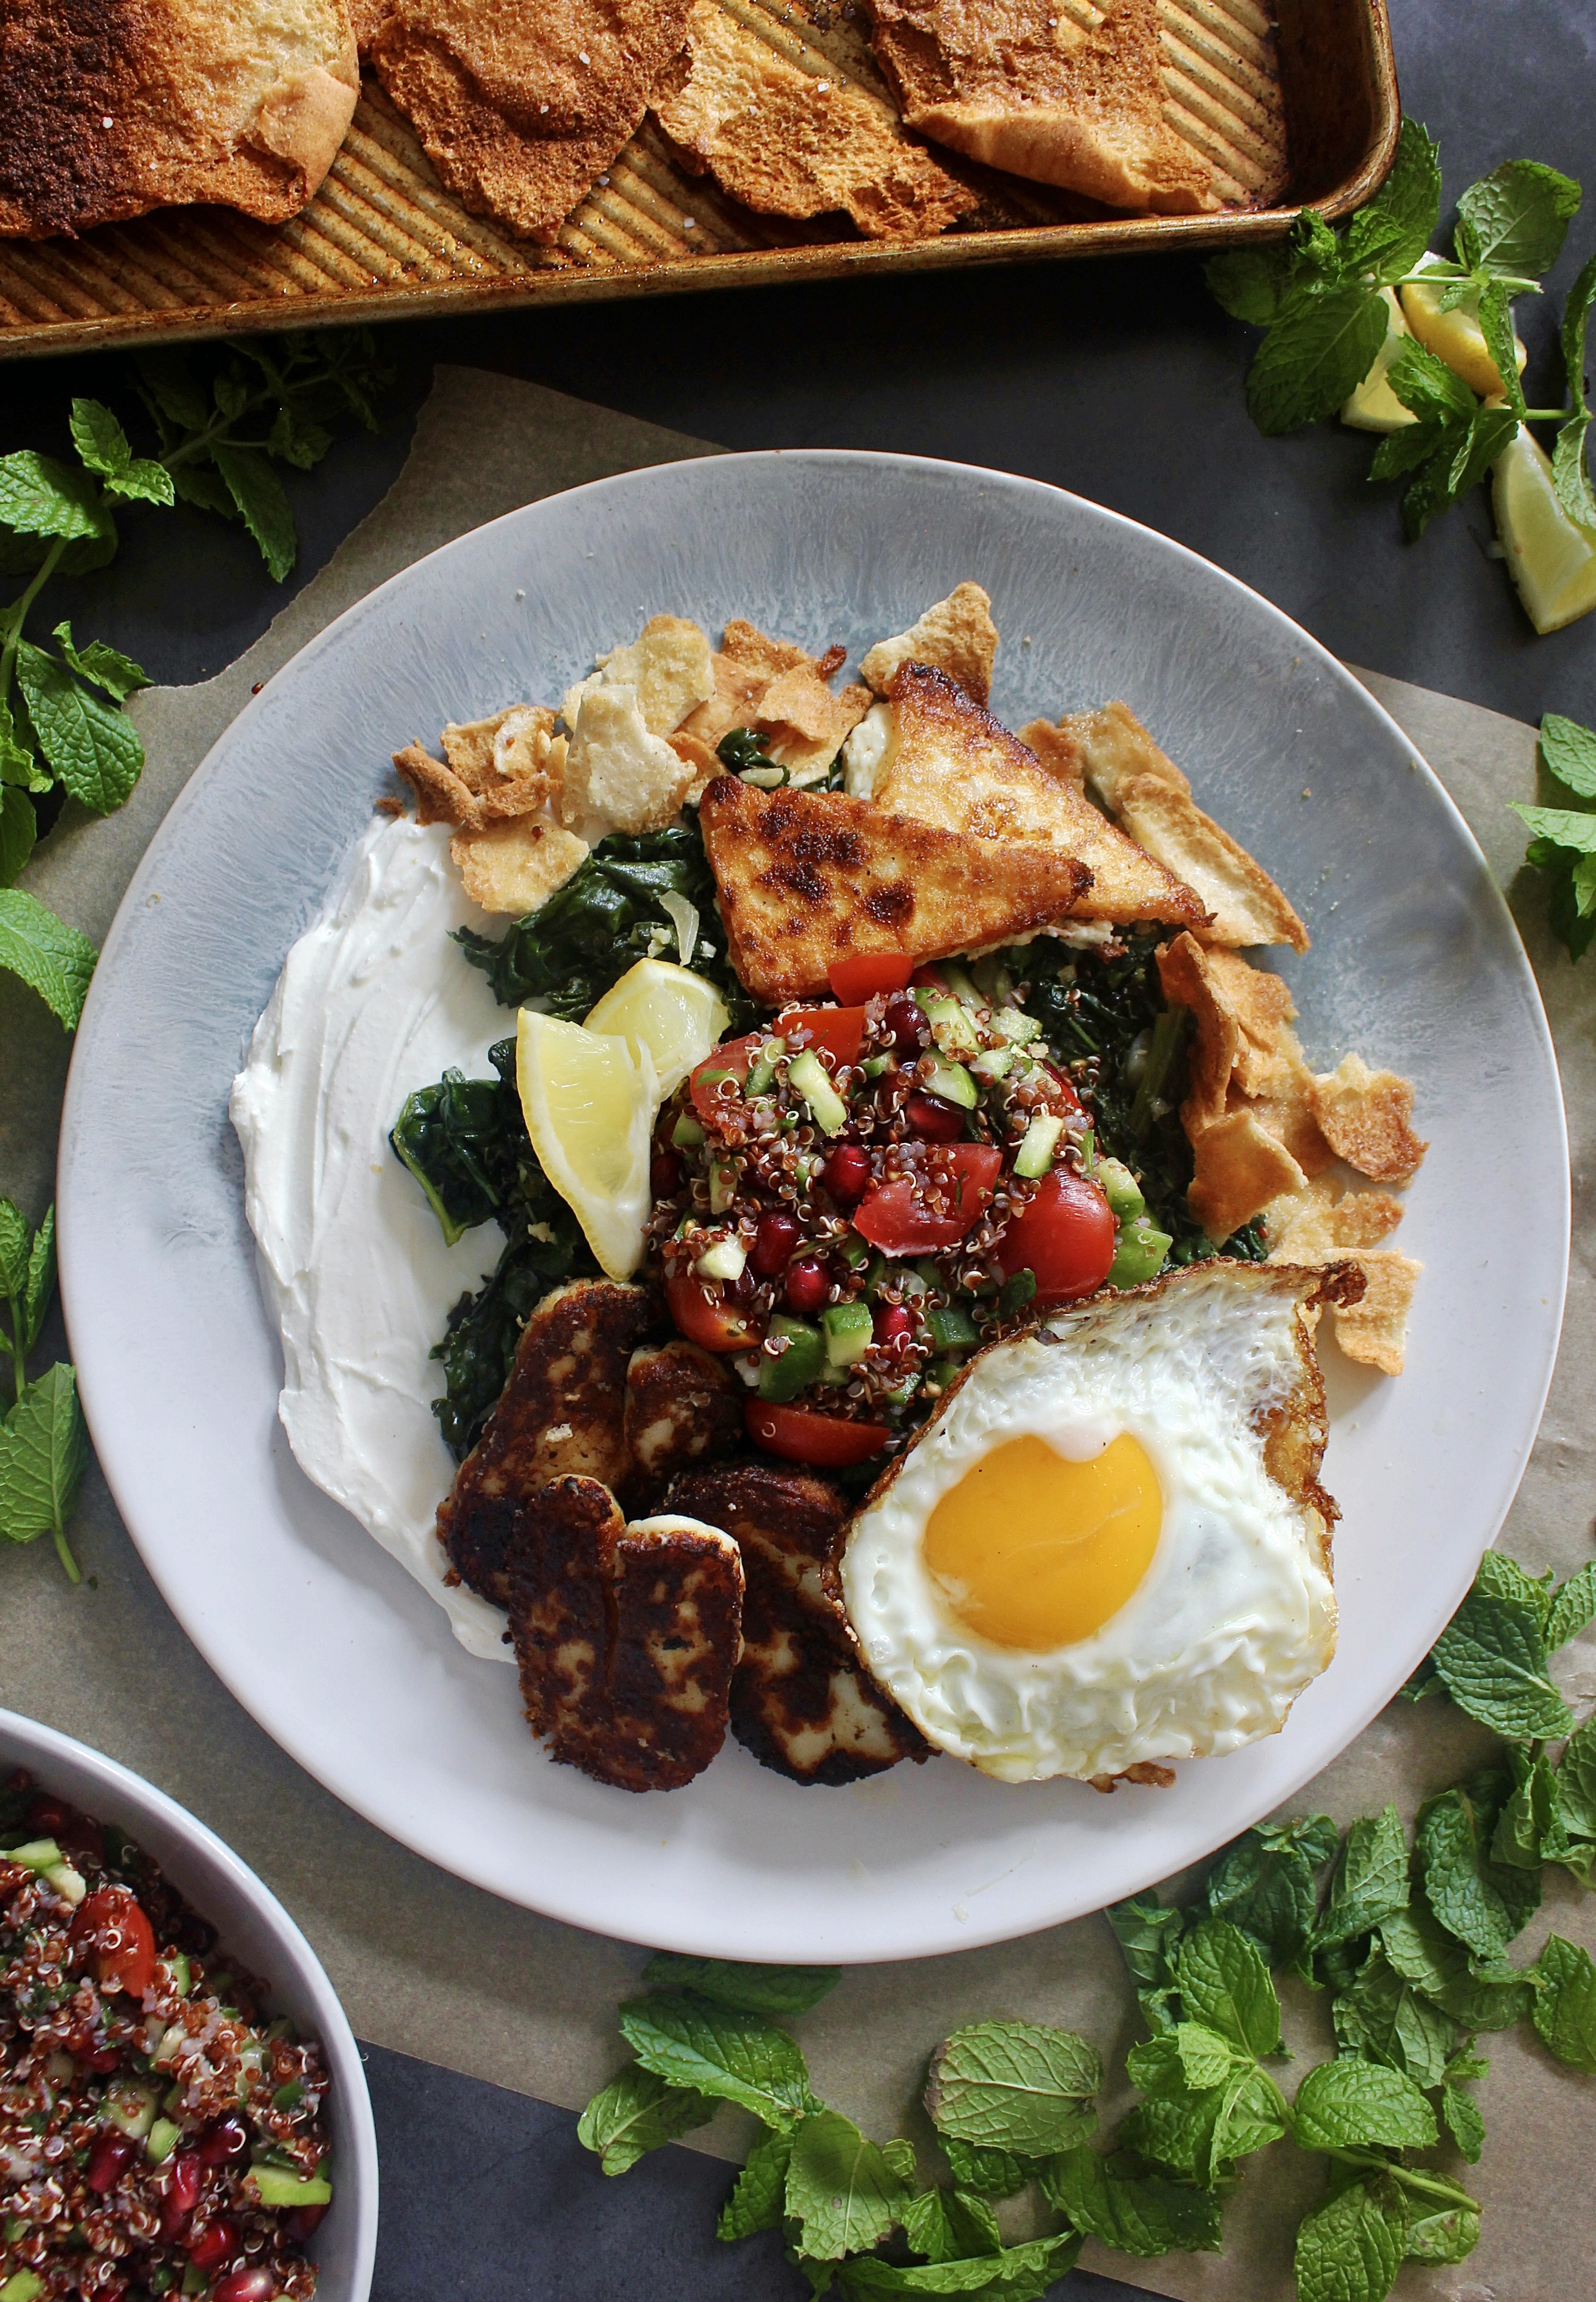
{"type": "Point", "coordinates": [1563, 839]}
{"type": "Point", "coordinates": [43, 1445]}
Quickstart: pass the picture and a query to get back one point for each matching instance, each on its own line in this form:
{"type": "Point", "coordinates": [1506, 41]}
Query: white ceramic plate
{"type": "Point", "coordinates": [253, 1923]}
{"type": "Point", "coordinates": [345, 1662]}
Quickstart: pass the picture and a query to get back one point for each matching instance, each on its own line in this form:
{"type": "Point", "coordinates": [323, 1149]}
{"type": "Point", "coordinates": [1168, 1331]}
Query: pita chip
{"type": "Point", "coordinates": [1367, 1117]}
{"type": "Point", "coordinates": [1240, 1168]}
{"type": "Point", "coordinates": [1374, 1332]}
{"type": "Point", "coordinates": [780, 691]}
{"type": "Point", "coordinates": [957, 635]}
{"type": "Point", "coordinates": [515, 866]}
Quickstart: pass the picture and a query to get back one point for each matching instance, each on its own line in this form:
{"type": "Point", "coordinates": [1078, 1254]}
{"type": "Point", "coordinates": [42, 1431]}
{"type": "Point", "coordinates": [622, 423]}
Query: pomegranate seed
{"type": "Point", "coordinates": [807, 1285]}
{"type": "Point", "coordinates": [227, 2137]}
{"type": "Point", "coordinates": [937, 1121]}
{"type": "Point", "coordinates": [217, 2243]}
{"type": "Point", "coordinates": [255, 2285]}
{"type": "Point", "coordinates": [774, 1242]}
{"type": "Point", "coordinates": [107, 2157]}
{"type": "Point", "coordinates": [846, 1172]}
{"type": "Point", "coordinates": [892, 1325]}
{"type": "Point", "coordinates": [181, 2195]}
{"type": "Point", "coordinates": [665, 1175]}
{"type": "Point", "coordinates": [104, 2058]}
{"type": "Point", "coordinates": [302, 2222]}
{"type": "Point", "coordinates": [46, 1817]}
{"type": "Point", "coordinates": [905, 1020]}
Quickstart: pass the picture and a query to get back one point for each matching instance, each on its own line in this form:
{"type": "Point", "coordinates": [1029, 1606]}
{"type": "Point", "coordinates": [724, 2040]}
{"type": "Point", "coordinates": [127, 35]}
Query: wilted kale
{"type": "Point", "coordinates": [602, 922]}
{"type": "Point", "coordinates": [1113, 1013]}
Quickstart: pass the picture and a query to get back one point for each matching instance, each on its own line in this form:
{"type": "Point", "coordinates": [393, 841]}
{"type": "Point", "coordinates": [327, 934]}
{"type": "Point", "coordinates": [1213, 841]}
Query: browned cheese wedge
{"type": "Point", "coordinates": [683, 1407]}
{"type": "Point", "coordinates": [793, 143]}
{"type": "Point", "coordinates": [802, 1702]}
{"type": "Point", "coordinates": [1061, 92]}
{"type": "Point", "coordinates": [522, 104]}
{"type": "Point", "coordinates": [562, 1412]}
{"type": "Point", "coordinates": [949, 762]}
{"type": "Point", "coordinates": [1147, 794]}
{"type": "Point", "coordinates": [626, 1637]}
{"type": "Point", "coordinates": [807, 877]}
{"type": "Point", "coordinates": [113, 107]}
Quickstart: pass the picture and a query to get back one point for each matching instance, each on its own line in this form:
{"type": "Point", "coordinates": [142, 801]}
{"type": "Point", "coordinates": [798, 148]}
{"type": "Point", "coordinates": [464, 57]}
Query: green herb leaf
{"type": "Point", "coordinates": [1496, 325]}
{"type": "Point", "coordinates": [1565, 2004]}
{"type": "Point", "coordinates": [1576, 1781]}
{"type": "Point", "coordinates": [103, 446]}
{"type": "Point", "coordinates": [734, 2057]}
{"type": "Point", "coordinates": [1573, 1602]}
{"type": "Point", "coordinates": [747, 1989]}
{"type": "Point", "coordinates": [19, 829]}
{"type": "Point", "coordinates": [635, 2114]}
{"type": "Point", "coordinates": [1148, 1934]}
{"type": "Point", "coordinates": [17, 762]}
{"type": "Point", "coordinates": [971, 2225]}
{"type": "Point", "coordinates": [1433, 488]}
{"type": "Point", "coordinates": [1205, 2057]}
{"type": "Point", "coordinates": [1570, 467]}
{"type": "Point", "coordinates": [263, 507]}
{"type": "Point", "coordinates": [1413, 444]}
{"type": "Point", "coordinates": [1428, 388]}
{"type": "Point", "coordinates": [117, 674]}
{"type": "Point", "coordinates": [1513, 221]}
{"type": "Point", "coordinates": [1485, 1904]}
{"type": "Point", "coordinates": [43, 1446]}
{"type": "Point", "coordinates": [1145, 2216]}
{"type": "Point", "coordinates": [14, 1243]}
{"type": "Point", "coordinates": [1225, 1985]}
{"type": "Point", "coordinates": [1351, 2105]}
{"type": "Point", "coordinates": [1460, 2113]}
{"type": "Point", "coordinates": [1348, 2250]}
{"type": "Point", "coordinates": [204, 489]}
{"type": "Point", "coordinates": [1490, 431]}
{"type": "Point", "coordinates": [927, 2228]}
{"type": "Point", "coordinates": [1321, 346]}
{"type": "Point", "coordinates": [171, 389]}
{"type": "Point", "coordinates": [39, 1284]}
{"type": "Point", "coordinates": [39, 496]}
{"type": "Point", "coordinates": [1265, 1884]}
{"type": "Point", "coordinates": [839, 2187]}
{"type": "Point", "coordinates": [1528, 1817]}
{"type": "Point", "coordinates": [1492, 1653]}
{"type": "Point", "coordinates": [758, 2195]}
{"type": "Point", "coordinates": [1370, 1881]}
{"type": "Point", "coordinates": [1450, 2235]}
{"type": "Point", "coordinates": [1389, 235]}
{"type": "Point", "coordinates": [1250, 283]}
{"type": "Point", "coordinates": [1481, 1997]}
{"type": "Point", "coordinates": [95, 750]}
{"type": "Point", "coordinates": [1020, 2273]}
{"type": "Point", "coordinates": [51, 957]}
{"type": "Point", "coordinates": [296, 439]}
{"type": "Point", "coordinates": [987, 2173]}
{"type": "Point", "coordinates": [1014, 2085]}
{"type": "Point", "coordinates": [1383, 2018]}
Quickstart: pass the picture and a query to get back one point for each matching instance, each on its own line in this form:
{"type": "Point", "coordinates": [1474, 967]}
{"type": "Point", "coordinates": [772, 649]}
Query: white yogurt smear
{"type": "Point", "coordinates": [373, 1003]}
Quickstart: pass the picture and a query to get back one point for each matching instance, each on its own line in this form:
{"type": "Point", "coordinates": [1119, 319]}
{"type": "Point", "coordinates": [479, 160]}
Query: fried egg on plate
{"type": "Point", "coordinates": [1109, 1548]}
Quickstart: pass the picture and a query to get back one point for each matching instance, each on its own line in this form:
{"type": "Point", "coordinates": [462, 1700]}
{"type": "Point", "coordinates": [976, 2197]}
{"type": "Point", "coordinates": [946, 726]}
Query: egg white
{"type": "Point", "coordinates": [1235, 1614]}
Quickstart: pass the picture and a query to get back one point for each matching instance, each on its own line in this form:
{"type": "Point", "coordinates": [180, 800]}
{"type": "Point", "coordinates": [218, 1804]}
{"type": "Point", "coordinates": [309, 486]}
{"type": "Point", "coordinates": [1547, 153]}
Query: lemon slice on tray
{"type": "Point", "coordinates": [1551, 559]}
{"type": "Point", "coordinates": [590, 1104]}
{"type": "Point", "coordinates": [675, 1014]}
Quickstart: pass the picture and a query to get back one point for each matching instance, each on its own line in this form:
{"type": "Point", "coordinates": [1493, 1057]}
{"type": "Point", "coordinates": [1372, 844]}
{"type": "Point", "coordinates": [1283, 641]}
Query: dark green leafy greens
{"type": "Point", "coordinates": [1563, 842]}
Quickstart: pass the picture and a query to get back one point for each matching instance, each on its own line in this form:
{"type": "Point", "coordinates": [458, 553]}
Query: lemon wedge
{"type": "Point", "coordinates": [590, 1104]}
{"type": "Point", "coordinates": [673, 1012]}
{"type": "Point", "coordinates": [1374, 406]}
{"type": "Point", "coordinates": [1551, 559]}
{"type": "Point", "coordinates": [1455, 336]}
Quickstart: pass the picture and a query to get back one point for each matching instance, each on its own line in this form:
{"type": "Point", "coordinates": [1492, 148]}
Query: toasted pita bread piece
{"type": "Point", "coordinates": [781, 692]}
{"type": "Point", "coordinates": [522, 104]}
{"type": "Point", "coordinates": [943, 760]}
{"type": "Point", "coordinates": [618, 777]}
{"type": "Point", "coordinates": [513, 762]}
{"type": "Point", "coordinates": [1147, 793]}
{"type": "Point", "coordinates": [516, 867]}
{"type": "Point", "coordinates": [957, 635]}
{"type": "Point", "coordinates": [625, 1637]}
{"type": "Point", "coordinates": [807, 878]}
{"type": "Point", "coordinates": [1321, 1224]}
{"type": "Point", "coordinates": [1367, 1118]}
{"type": "Point", "coordinates": [1024, 85]}
{"type": "Point", "coordinates": [1240, 1167]}
{"type": "Point", "coordinates": [1244, 1054]}
{"type": "Point", "coordinates": [787, 142]}
{"type": "Point", "coordinates": [668, 666]}
{"type": "Point", "coordinates": [1374, 1332]}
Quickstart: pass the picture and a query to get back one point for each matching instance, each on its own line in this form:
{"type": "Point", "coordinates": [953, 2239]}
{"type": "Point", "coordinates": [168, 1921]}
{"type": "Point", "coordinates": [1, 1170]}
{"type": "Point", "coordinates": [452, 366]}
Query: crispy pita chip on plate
{"type": "Point", "coordinates": [811, 877]}
{"type": "Point", "coordinates": [1374, 1332]}
{"type": "Point", "coordinates": [512, 762]}
{"type": "Point", "coordinates": [780, 691]}
{"type": "Point", "coordinates": [669, 666]}
{"type": "Point", "coordinates": [516, 865]}
{"type": "Point", "coordinates": [957, 635]}
{"type": "Point", "coordinates": [1367, 1118]}
{"type": "Point", "coordinates": [1320, 1224]}
{"type": "Point", "coordinates": [1240, 1167]}
{"type": "Point", "coordinates": [442, 796]}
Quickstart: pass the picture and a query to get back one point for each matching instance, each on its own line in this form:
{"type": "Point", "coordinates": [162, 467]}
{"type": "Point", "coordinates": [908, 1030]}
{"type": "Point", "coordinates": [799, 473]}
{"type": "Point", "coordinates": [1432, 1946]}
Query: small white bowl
{"type": "Point", "coordinates": [253, 1924]}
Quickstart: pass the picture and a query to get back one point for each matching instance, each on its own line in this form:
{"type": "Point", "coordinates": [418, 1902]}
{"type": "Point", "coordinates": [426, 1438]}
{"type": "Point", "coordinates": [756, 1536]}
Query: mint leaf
{"type": "Point", "coordinates": [1490, 1997]}
{"type": "Point", "coordinates": [1574, 1603]}
{"type": "Point", "coordinates": [1348, 2250]}
{"type": "Point", "coordinates": [635, 2114]}
{"type": "Point", "coordinates": [17, 762]}
{"type": "Point", "coordinates": [51, 957]}
{"type": "Point", "coordinates": [1528, 1817]}
{"type": "Point", "coordinates": [1413, 444]}
{"type": "Point", "coordinates": [1389, 235]}
{"type": "Point", "coordinates": [1321, 346]}
{"type": "Point", "coordinates": [117, 674]}
{"type": "Point", "coordinates": [1383, 2018]}
{"type": "Point", "coordinates": [14, 1244]}
{"type": "Point", "coordinates": [263, 507]}
{"type": "Point", "coordinates": [900, 2156]}
{"type": "Point", "coordinates": [1145, 2216]}
{"type": "Point", "coordinates": [1447, 2236]}
{"type": "Point", "coordinates": [1431, 489]}
{"type": "Point", "coordinates": [39, 1284]}
{"type": "Point", "coordinates": [1250, 283]}
{"type": "Point", "coordinates": [44, 1448]}
{"type": "Point", "coordinates": [1148, 1934]}
{"type": "Point", "coordinates": [1489, 432]}
{"type": "Point", "coordinates": [927, 2228]}
{"type": "Point", "coordinates": [1020, 2273]}
{"type": "Point", "coordinates": [1492, 1653]}
{"type": "Point", "coordinates": [840, 2187]}
{"type": "Point", "coordinates": [747, 1989]}
{"type": "Point", "coordinates": [99, 439]}
{"type": "Point", "coordinates": [758, 2195]}
{"type": "Point", "coordinates": [1201, 2134]}
{"type": "Point", "coordinates": [1460, 2113]}
{"type": "Point", "coordinates": [734, 2057]}
{"type": "Point", "coordinates": [1568, 753]}
{"type": "Point", "coordinates": [1351, 2105]}
{"type": "Point", "coordinates": [95, 750]}
{"type": "Point", "coordinates": [1205, 2057]}
{"type": "Point", "coordinates": [205, 489]}
{"type": "Point", "coordinates": [1576, 1783]}
{"type": "Point", "coordinates": [39, 496]}
{"type": "Point", "coordinates": [297, 440]}
{"type": "Point", "coordinates": [1225, 1985]}
{"type": "Point", "coordinates": [1564, 827]}
{"type": "Point", "coordinates": [1565, 2009]}
{"type": "Point", "coordinates": [1485, 1904]}
{"type": "Point", "coordinates": [1265, 1884]}
{"type": "Point", "coordinates": [19, 828]}
{"type": "Point", "coordinates": [1570, 469]}
{"type": "Point", "coordinates": [971, 2226]}
{"type": "Point", "coordinates": [1014, 2086]}
{"type": "Point", "coordinates": [1370, 1881]}
{"type": "Point", "coordinates": [987, 2173]}
{"type": "Point", "coordinates": [1496, 325]}
{"type": "Point", "coordinates": [1513, 223]}
{"type": "Point", "coordinates": [1428, 388]}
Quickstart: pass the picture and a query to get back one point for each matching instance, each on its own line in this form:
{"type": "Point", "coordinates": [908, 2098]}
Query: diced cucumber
{"type": "Point", "coordinates": [275, 2186]}
{"type": "Point", "coordinates": [725, 1260]}
{"type": "Point", "coordinates": [66, 1882]}
{"type": "Point", "coordinates": [806, 1077]}
{"type": "Point", "coordinates": [39, 1854]}
{"type": "Point", "coordinates": [939, 1374]}
{"type": "Point", "coordinates": [1035, 1154]}
{"type": "Point", "coordinates": [959, 980]}
{"type": "Point", "coordinates": [132, 2108]}
{"type": "Point", "coordinates": [992, 1063]}
{"type": "Point", "coordinates": [1121, 1190]}
{"type": "Point", "coordinates": [21, 2286]}
{"type": "Point", "coordinates": [952, 1329]}
{"type": "Point", "coordinates": [847, 1328]}
{"type": "Point", "coordinates": [183, 1973]}
{"type": "Point", "coordinates": [855, 1253]}
{"type": "Point", "coordinates": [1139, 1254]}
{"type": "Point", "coordinates": [688, 1132]}
{"type": "Point", "coordinates": [1016, 1025]}
{"type": "Point", "coordinates": [288, 2096]}
{"type": "Point", "coordinates": [162, 2141]}
{"type": "Point", "coordinates": [953, 1083]}
{"type": "Point", "coordinates": [782, 1377]}
{"type": "Point", "coordinates": [950, 1025]}
{"type": "Point", "coordinates": [762, 1070]}
{"type": "Point", "coordinates": [874, 1066]}
{"type": "Point", "coordinates": [723, 1185]}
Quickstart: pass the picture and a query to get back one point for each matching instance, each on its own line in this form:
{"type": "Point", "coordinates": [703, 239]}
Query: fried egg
{"type": "Point", "coordinates": [1109, 1548]}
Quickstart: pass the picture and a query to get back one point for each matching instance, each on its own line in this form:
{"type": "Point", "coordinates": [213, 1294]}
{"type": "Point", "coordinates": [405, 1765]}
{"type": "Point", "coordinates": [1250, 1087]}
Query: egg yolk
{"type": "Point", "coordinates": [1033, 1550]}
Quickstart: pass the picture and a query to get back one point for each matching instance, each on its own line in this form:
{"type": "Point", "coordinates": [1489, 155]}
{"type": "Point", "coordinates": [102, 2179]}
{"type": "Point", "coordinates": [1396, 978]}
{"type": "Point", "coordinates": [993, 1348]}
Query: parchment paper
{"type": "Point", "coordinates": [439, 1969]}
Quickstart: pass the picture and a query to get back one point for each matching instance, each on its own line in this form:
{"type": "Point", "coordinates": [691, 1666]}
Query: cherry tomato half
{"type": "Point", "coordinates": [893, 1218]}
{"type": "Point", "coordinates": [1064, 1235]}
{"type": "Point", "coordinates": [928, 979]}
{"type": "Point", "coordinates": [715, 1322]}
{"type": "Point", "coordinates": [799, 1435]}
{"type": "Point", "coordinates": [118, 1936]}
{"type": "Point", "coordinates": [868, 973]}
{"type": "Point", "coordinates": [838, 1030]}
{"type": "Point", "coordinates": [737, 1057]}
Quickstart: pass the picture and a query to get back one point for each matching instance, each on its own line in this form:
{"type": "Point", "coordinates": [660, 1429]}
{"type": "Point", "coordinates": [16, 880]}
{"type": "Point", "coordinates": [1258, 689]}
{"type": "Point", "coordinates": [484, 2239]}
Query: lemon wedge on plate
{"type": "Point", "coordinates": [1455, 336]}
{"type": "Point", "coordinates": [589, 1105]}
{"type": "Point", "coordinates": [1551, 559]}
{"type": "Point", "coordinates": [1374, 406]}
{"type": "Point", "coordinates": [673, 1012]}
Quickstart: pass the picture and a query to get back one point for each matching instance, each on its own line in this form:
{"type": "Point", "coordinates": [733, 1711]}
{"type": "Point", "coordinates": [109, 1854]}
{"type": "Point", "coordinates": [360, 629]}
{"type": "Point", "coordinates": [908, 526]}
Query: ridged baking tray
{"type": "Point", "coordinates": [1300, 111]}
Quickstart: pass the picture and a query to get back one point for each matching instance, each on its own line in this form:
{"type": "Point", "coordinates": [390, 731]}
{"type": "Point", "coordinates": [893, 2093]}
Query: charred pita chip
{"type": "Point", "coordinates": [1367, 1118]}
{"type": "Point", "coordinates": [957, 635]}
{"type": "Point", "coordinates": [618, 775]}
{"type": "Point", "coordinates": [1239, 1168]}
{"type": "Point", "coordinates": [1374, 1331]}
{"type": "Point", "coordinates": [1281, 1099]}
{"type": "Point", "coordinates": [808, 878]}
{"type": "Point", "coordinates": [440, 795]}
{"type": "Point", "coordinates": [515, 866]}
{"type": "Point", "coordinates": [512, 762]}
{"type": "Point", "coordinates": [1244, 1054]}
